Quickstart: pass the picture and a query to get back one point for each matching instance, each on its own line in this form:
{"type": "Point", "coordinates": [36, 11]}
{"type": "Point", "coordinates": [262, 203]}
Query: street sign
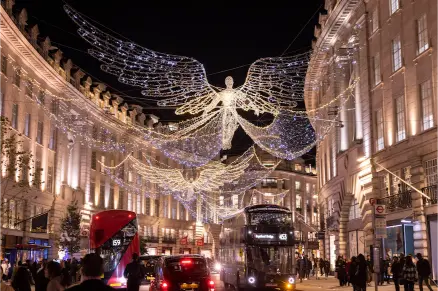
{"type": "Point", "coordinates": [372, 201]}
{"type": "Point", "coordinates": [380, 209]}
{"type": "Point", "coordinates": [380, 227]}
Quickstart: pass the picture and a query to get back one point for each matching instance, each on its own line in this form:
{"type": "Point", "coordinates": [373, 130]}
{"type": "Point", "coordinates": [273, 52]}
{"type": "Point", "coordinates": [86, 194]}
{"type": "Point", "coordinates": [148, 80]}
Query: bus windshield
{"type": "Point", "coordinates": [114, 248]}
{"type": "Point", "coordinates": [270, 260]}
{"type": "Point", "coordinates": [271, 218]}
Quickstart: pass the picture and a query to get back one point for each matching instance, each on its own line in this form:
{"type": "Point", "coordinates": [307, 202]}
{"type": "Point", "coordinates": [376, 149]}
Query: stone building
{"type": "Point", "coordinates": [388, 48]}
{"type": "Point", "coordinates": [38, 81]}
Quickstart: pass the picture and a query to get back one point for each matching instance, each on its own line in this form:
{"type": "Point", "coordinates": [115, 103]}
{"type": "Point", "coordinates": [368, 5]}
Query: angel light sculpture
{"type": "Point", "coordinates": [271, 86]}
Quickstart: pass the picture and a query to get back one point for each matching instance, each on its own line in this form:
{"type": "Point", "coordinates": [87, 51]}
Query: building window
{"type": "Point", "coordinates": [423, 43]}
{"type": "Point", "coordinates": [375, 21]}
{"type": "Point", "coordinates": [298, 201]}
{"type": "Point", "coordinates": [138, 179]}
{"type": "Point", "coordinates": [27, 125]}
{"type": "Point", "coordinates": [121, 197]}
{"type": "Point", "coordinates": [29, 88]}
{"type": "Point", "coordinates": [396, 54]}
{"type": "Point", "coordinates": [92, 192]}
{"type": "Point", "coordinates": [354, 210]}
{"type": "Point", "coordinates": [221, 200]}
{"type": "Point", "coordinates": [148, 206]}
{"type": "Point", "coordinates": [182, 212]}
{"type": "Point", "coordinates": [129, 201]}
{"type": "Point", "coordinates": [394, 5]}
{"type": "Point", "coordinates": [139, 204]}
{"type": "Point", "coordinates": [380, 144]}
{"type": "Point", "coordinates": [39, 137]}
{"type": "Point", "coordinates": [4, 64]}
{"type": "Point", "coordinates": [1, 103]}
{"type": "Point", "coordinates": [426, 104]}
{"type": "Point", "coordinates": [376, 65]}
{"type": "Point", "coordinates": [173, 209]}
{"type": "Point", "coordinates": [157, 207]}
{"type": "Point", "coordinates": [111, 199]}
{"type": "Point", "coordinates": [93, 160]}
{"type": "Point", "coordinates": [400, 115]}
{"type": "Point", "coordinates": [102, 164]}
{"type": "Point", "coordinates": [102, 196]}
{"type": "Point", "coordinates": [41, 97]}
{"type": "Point", "coordinates": [235, 200]}
{"type": "Point", "coordinates": [14, 121]}
{"type": "Point", "coordinates": [165, 207]}
{"type": "Point", "coordinates": [431, 172]}
{"type": "Point", "coordinates": [297, 185]}
{"type": "Point", "coordinates": [52, 140]}
{"type": "Point", "coordinates": [17, 79]}
{"type": "Point", "coordinates": [49, 183]}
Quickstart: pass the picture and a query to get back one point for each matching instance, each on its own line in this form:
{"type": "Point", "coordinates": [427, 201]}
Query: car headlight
{"type": "Point", "coordinates": [251, 280]}
{"type": "Point", "coordinates": [291, 280]}
{"type": "Point", "coordinates": [217, 267]}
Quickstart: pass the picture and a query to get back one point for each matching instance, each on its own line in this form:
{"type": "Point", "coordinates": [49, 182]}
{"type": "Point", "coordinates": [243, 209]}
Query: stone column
{"type": "Point", "coordinates": [419, 217]}
{"type": "Point", "coordinates": [370, 189]}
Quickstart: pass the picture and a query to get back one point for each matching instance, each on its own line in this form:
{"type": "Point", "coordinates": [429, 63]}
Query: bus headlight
{"type": "Point", "coordinates": [217, 267]}
{"type": "Point", "coordinates": [251, 280]}
{"type": "Point", "coordinates": [291, 280]}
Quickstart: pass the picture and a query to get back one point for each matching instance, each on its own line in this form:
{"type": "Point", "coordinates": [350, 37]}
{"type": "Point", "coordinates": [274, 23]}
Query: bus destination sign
{"type": "Point", "coordinates": [270, 236]}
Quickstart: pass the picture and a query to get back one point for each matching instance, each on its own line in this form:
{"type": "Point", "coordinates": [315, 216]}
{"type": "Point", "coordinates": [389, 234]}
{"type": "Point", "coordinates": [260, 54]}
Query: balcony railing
{"type": "Point", "coordinates": [169, 240]}
{"type": "Point", "coordinates": [398, 201]}
{"type": "Point", "coordinates": [151, 239]}
{"type": "Point", "coordinates": [430, 191]}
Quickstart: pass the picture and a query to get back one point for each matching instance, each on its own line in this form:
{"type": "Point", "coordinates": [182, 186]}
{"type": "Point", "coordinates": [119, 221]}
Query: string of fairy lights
{"type": "Point", "coordinates": [273, 86]}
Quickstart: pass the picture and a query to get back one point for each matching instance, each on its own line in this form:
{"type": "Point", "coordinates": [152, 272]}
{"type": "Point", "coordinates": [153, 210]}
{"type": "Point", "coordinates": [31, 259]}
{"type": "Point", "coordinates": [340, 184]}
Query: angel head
{"type": "Point", "coordinates": [229, 82]}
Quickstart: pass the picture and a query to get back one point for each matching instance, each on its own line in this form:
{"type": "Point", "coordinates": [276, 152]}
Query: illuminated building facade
{"type": "Point", "coordinates": [32, 73]}
{"type": "Point", "coordinates": [388, 46]}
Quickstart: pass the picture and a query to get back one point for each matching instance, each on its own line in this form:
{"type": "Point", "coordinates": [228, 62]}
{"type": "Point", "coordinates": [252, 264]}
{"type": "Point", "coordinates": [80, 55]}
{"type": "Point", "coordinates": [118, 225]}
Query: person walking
{"type": "Point", "coordinates": [57, 282]}
{"type": "Point", "coordinates": [41, 281]}
{"type": "Point", "coordinates": [91, 270]}
{"type": "Point", "coordinates": [348, 272]}
{"type": "Point", "coordinates": [3, 285]}
{"type": "Point", "coordinates": [424, 271]}
{"type": "Point", "coordinates": [73, 270]}
{"type": "Point", "coordinates": [361, 273]}
{"type": "Point", "coordinates": [134, 273]}
{"type": "Point", "coordinates": [302, 268]}
{"type": "Point", "coordinates": [396, 270]}
{"type": "Point", "coordinates": [5, 270]}
{"type": "Point", "coordinates": [308, 267]}
{"type": "Point", "coordinates": [409, 274]}
{"type": "Point", "coordinates": [321, 266]}
{"type": "Point", "coordinates": [326, 268]}
{"type": "Point", "coordinates": [352, 272]}
{"type": "Point", "coordinates": [340, 270]}
{"type": "Point", "coordinates": [21, 280]}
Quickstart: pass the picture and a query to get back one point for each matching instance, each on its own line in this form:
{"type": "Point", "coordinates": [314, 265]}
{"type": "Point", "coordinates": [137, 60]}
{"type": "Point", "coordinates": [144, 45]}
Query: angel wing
{"type": "Point", "coordinates": [275, 82]}
{"type": "Point", "coordinates": [171, 179]}
{"type": "Point", "coordinates": [177, 78]}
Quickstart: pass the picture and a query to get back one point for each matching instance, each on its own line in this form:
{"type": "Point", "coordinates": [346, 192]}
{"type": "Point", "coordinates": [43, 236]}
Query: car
{"type": "Point", "coordinates": [182, 272]}
{"type": "Point", "coordinates": [149, 263]}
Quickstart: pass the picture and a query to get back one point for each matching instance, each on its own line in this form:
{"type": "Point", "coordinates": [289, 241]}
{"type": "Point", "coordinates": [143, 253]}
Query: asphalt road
{"type": "Point", "coordinates": [218, 284]}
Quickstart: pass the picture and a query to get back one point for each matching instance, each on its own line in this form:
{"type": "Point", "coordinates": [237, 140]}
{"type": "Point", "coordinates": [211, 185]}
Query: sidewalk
{"type": "Point", "coordinates": [331, 283]}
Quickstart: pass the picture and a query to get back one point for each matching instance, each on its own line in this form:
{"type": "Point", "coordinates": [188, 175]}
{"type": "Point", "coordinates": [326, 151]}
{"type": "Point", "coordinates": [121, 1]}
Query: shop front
{"type": "Point", "coordinates": [185, 251]}
{"type": "Point", "coordinates": [400, 238]}
{"type": "Point", "coordinates": [433, 242]}
{"type": "Point", "coordinates": [167, 251]}
{"type": "Point", "coordinates": [356, 243]}
{"type": "Point", "coordinates": [151, 251]}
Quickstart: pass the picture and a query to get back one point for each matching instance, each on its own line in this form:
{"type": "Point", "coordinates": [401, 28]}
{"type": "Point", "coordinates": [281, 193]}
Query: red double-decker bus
{"type": "Point", "coordinates": [114, 236]}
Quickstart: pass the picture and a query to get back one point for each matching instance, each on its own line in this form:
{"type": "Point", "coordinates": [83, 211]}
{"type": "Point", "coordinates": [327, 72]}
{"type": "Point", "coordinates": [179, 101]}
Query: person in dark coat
{"type": "Point", "coordinates": [134, 272]}
{"type": "Point", "coordinates": [21, 280]}
{"type": "Point", "coordinates": [92, 269]}
{"type": "Point", "coordinates": [396, 270]}
{"type": "Point", "coordinates": [321, 266]}
{"type": "Point", "coordinates": [73, 270]}
{"type": "Point", "coordinates": [360, 277]}
{"type": "Point", "coordinates": [352, 272]}
{"type": "Point", "coordinates": [340, 269]}
{"type": "Point", "coordinates": [326, 267]}
{"type": "Point", "coordinates": [424, 271]}
{"type": "Point", "coordinates": [41, 281]}
{"type": "Point", "coordinates": [302, 268]}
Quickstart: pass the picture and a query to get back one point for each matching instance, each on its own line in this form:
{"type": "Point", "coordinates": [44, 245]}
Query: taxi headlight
{"type": "Point", "coordinates": [291, 280]}
{"type": "Point", "coordinates": [251, 280]}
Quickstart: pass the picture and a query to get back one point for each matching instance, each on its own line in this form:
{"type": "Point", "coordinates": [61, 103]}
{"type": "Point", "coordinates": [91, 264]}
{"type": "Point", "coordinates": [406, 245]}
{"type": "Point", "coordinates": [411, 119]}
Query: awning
{"type": "Point", "coordinates": [31, 247]}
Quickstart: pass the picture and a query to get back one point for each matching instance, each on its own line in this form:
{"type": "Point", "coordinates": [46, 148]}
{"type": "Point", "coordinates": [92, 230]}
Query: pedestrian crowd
{"type": "Point", "coordinates": [402, 271]}
{"type": "Point", "coordinates": [71, 274]}
{"type": "Point", "coordinates": [358, 271]}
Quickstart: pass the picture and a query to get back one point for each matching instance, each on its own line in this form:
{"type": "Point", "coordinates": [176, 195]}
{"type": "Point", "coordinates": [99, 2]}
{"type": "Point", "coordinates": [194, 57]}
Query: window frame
{"type": "Point", "coordinates": [394, 6]}
{"type": "Point", "coordinates": [376, 69]}
{"type": "Point", "coordinates": [396, 54]}
{"type": "Point", "coordinates": [40, 132]}
{"type": "Point", "coordinates": [400, 118]}
{"type": "Point", "coordinates": [380, 130]}
{"type": "Point", "coordinates": [422, 35]}
{"type": "Point", "coordinates": [428, 122]}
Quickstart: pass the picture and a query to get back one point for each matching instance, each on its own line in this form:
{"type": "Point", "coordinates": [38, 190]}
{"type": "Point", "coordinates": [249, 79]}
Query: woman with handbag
{"type": "Point", "coordinates": [409, 274]}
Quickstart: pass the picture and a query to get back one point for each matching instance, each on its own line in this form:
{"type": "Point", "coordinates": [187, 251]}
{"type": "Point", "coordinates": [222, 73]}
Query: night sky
{"type": "Point", "coordinates": [220, 34]}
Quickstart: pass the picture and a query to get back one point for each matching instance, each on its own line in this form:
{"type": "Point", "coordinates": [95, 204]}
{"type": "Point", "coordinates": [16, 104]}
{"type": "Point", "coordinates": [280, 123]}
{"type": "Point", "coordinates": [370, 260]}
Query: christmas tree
{"type": "Point", "coordinates": [70, 230]}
